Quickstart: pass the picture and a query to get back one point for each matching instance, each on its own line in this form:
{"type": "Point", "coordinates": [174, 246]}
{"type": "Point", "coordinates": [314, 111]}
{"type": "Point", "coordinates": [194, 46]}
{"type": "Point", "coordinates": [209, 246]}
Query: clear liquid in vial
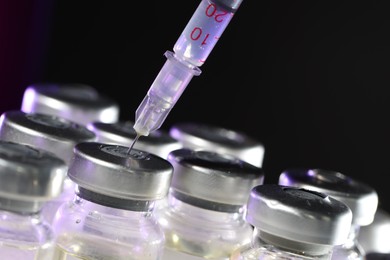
{"type": "Point", "coordinates": [178, 248]}
{"type": "Point", "coordinates": [24, 252]}
{"type": "Point", "coordinates": [84, 247]}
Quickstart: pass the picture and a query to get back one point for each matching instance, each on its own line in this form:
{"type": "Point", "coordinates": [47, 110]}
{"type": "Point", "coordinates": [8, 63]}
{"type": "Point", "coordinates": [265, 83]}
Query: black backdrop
{"type": "Point", "coordinates": [308, 79]}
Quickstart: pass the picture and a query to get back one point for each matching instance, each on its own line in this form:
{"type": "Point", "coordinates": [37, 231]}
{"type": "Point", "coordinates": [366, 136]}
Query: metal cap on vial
{"type": "Point", "coordinates": [55, 134]}
{"type": "Point", "coordinates": [358, 196]}
{"type": "Point", "coordinates": [77, 102]}
{"type": "Point", "coordinates": [108, 174]}
{"type": "Point", "coordinates": [212, 180]}
{"type": "Point", "coordinates": [28, 177]}
{"type": "Point", "coordinates": [297, 214]}
{"type": "Point", "coordinates": [158, 142]}
{"type": "Point", "coordinates": [208, 137]}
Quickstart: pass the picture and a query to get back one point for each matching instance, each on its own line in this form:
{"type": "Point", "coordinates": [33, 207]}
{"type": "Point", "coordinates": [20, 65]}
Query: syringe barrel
{"type": "Point", "coordinates": [190, 52]}
{"type": "Point", "coordinates": [205, 29]}
{"type": "Point", "coordinates": [166, 89]}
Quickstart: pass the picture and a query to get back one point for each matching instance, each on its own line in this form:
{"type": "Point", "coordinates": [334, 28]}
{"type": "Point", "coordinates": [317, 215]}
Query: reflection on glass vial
{"type": "Point", "coordinates": [112, 213]}
{"type": "Point", "coordinates": [51, 133]}
{"type": "Point", "coordinates": [375, 237]}
{"type": "Point", "coordinates": [79, 103]}
{"type": "Point", "coordinates": [359, 197]}
{"type": "Point", "coordinates": [204, 214]}
{"type": "Point", "coordinates": [221, 140]}
{"type": "Point", "coordinates": [294, 223]}
{"type": "Point", "coordinates": [29, 178]}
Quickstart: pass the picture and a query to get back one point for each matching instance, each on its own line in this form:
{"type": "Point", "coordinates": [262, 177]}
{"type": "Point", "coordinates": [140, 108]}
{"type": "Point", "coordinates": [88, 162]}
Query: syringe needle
{"type": "Point", "coordinates": [133, 143]}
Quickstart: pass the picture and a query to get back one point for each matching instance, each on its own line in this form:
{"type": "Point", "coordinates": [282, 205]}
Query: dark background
{"type": "Point", "coordinates": [308, 79]}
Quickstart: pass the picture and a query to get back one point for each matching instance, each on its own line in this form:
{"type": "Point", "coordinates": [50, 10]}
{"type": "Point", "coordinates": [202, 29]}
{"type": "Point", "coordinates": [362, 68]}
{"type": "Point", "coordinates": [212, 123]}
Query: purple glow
{"type": "Point", "coordinates": [28, 100]}
{"type": "Point", "coordinates": [311, 173]}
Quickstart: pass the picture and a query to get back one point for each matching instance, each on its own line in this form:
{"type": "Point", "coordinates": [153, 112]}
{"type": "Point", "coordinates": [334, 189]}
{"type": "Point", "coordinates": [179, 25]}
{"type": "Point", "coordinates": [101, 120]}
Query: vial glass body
{"type": "Point", "coordinates": [24, 237]}
{"type": "Point", "coordinates": [193, 232]}
{"type": "Point", "coordinates": [86, 230]}
{"type": "Point", "coordinates": [260, 248]}
{"type": "Point", "coordinates": [50, 207]}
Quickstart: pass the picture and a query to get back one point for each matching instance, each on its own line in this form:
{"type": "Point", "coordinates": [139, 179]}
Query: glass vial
{"type": "Point", "coordinates": [375, 237]}
{"type": "Point", "coordinates": [358, 196]}
{"type": "Point", "coordinates": [294, 223]}
{"type": "Point", "coordinates": [51, 133]}
{"type": "Point", "coordinates": [204, 217]}
{"type": "Point", "coordinates": [196, 136]}
{"type": "Point", "coordinates": [79, 103]}
{"type": "Point", "coordinates": [28, 178]}
{"type": "Point", "coordinates": [158, 142]}
{"type": "Point", "coordinates": [112, 214]}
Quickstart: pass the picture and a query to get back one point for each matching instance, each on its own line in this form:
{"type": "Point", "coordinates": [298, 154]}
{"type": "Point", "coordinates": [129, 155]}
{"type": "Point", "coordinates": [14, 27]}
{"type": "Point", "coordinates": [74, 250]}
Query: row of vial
{"type": "Point", "coordinates": [71, 189]}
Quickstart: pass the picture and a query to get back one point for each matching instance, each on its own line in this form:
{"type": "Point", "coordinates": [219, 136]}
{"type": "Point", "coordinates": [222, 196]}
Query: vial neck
{"type": "Point", "coordinates": [114, 202]}
{"type": "Point", "coordinates": [290, 248]}
{"type": "Point", "coordinates": [108, 211]}
{"type": "Point", "coordinates": [353, 233]}
{"type": "Point", "coordinates": [21, 207]}
{"type": "Point", "coordinates": [34, 218]}
{"type": "Point", "coordinates": [352, 243]}
{"type": "Point", "coordinates": [176, 204]}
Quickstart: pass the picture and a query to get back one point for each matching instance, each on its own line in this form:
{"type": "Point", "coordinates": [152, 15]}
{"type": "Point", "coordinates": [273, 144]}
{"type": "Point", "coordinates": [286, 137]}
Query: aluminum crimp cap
{"type": "Point", "coordinates": [110, 170]}
{"type": "Point", "coordinates": [28, 176]}
{"type": "Point", "coordinates": [298, 214]}
{"type": "Point", "coordinates": [55, 134]}
{"type": "Point", "coordinates": [214, 177]}
{"type": "Point", "coordinates": [157, 142]}
{"type": "Point", "coordinates": [359, 197]}
{"type": "Point", "coordinates": [79, 103]}
{"type": "Point", "coordinates": [209, 137]}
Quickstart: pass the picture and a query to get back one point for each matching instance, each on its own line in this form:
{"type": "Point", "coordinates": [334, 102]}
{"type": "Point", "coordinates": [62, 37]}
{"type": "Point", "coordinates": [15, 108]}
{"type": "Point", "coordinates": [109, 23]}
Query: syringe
{"type": "Point", "coordinates": [190, 52]}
